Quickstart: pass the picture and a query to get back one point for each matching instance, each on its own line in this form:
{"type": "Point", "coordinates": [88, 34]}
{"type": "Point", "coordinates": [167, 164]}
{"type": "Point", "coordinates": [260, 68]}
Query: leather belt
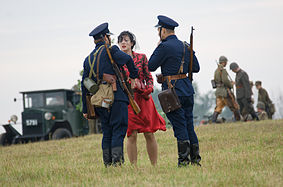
{"type": "Point", "coordinates": [174, 77]}
{"type": "Point", "coordinates": [219, 85]}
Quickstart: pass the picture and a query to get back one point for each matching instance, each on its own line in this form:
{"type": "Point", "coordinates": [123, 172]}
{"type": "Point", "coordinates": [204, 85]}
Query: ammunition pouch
{"type": "Point", "coordinates": [213, 84]}
{"type": "Point", "coordinates": [111, 79]}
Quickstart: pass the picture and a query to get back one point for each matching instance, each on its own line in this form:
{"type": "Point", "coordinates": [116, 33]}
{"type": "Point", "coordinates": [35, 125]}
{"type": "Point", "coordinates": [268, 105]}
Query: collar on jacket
{"type": "Point", "coordinates": [170, 37]}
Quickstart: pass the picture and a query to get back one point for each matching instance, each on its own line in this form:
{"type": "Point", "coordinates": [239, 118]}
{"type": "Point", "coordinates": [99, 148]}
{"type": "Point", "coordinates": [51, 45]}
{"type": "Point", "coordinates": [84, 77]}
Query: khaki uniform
{"type": "Point", "coordinates": [262, 115]}
{"type": "Point", "coordinates": [222, 97]}
{"type": "Point", "coordinates": [264, 97]}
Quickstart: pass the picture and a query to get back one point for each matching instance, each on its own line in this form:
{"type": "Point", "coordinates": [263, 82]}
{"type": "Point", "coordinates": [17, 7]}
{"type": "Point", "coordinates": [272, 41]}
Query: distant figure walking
{"type": "Point", "coordinates": [243, 92]}
{"type": "Point", "coordinates": [223, 93]}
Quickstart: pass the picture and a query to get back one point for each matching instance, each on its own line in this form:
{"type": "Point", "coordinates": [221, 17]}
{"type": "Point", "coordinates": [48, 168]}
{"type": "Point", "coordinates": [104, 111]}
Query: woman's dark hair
{"type": "Point", "coordinates": [130, 35]}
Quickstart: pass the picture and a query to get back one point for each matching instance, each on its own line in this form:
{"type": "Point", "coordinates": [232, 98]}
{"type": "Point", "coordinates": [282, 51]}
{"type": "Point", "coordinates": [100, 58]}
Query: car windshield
{"type": "Point", "coordinates": [34, 100]}
{"type": "Point", "coordinates": [54, 99]}
{"type": "Point", "coordinates": [39, 100]}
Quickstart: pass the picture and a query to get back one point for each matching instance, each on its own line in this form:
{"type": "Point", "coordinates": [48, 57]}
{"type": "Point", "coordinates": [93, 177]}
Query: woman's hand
{"type": "Point", "coordinates": [146, 93]}
{"type": "Point", "coordinates": [85, 116]}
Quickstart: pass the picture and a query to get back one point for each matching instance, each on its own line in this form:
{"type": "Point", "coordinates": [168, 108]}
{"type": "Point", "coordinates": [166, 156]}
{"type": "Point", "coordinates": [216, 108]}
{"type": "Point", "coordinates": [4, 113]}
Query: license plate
{"type": "Point", "coordinates": [31, 122]}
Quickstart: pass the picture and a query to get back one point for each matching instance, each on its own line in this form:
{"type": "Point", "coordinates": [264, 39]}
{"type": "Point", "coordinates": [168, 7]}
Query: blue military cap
{"type": "Point", "coordinates": [166, 22]}
{"type": "Point", "coordinates": [101, 29]}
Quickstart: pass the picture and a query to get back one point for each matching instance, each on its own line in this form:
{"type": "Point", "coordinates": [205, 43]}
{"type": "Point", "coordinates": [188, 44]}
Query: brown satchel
{"type": "Point", "coordinates": [168, 98]}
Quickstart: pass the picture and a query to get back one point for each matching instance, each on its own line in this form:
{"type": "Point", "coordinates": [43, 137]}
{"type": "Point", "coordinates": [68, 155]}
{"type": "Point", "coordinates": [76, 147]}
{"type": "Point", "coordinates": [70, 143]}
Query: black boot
{"type": "Point", "coordinates": [195, 157]}
{"type": "Point", "coordinates": [183, 153]}
{"type": "Point", "coordinates": [254, 115]}
{"type": "Point", "coordinates": [214, 117]}
{"type": "Point", "coordinates": [117, 156]}
{"type": "Point", "coordinates": [107, 159]}
{"type": "Point", "coordinates": [237, 115]}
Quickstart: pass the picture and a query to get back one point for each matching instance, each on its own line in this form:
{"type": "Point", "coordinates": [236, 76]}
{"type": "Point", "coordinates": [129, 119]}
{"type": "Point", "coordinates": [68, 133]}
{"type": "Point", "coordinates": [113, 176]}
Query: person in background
{"type": "Point", "coordinates": [243, 92]}
{"type": "Point", "coordinates": [264, 97]}
{"type": "Point", "coordinates": [222, 96]}
{"type": "Point", "coordinates": [148, 121]}
{"type": "Point", "coordinates": [262, 115]}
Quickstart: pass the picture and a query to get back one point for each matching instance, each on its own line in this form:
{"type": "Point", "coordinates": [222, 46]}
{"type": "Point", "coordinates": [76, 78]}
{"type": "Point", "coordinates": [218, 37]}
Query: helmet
{"type": "Point", "coordinates": [222, 59]}
{"type": "Point", "coordinates": [234, 66]}
{"type": "Point", "coordinates": [258, 83]}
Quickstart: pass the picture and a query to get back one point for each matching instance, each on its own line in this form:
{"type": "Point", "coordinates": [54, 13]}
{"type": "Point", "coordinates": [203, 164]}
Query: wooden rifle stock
{"type": "Point", "coordinates": [191, 55]}
{"type": "Point", "coordinates": [133, 103]}
{"type": "Point", "coordinates": [231, 95]}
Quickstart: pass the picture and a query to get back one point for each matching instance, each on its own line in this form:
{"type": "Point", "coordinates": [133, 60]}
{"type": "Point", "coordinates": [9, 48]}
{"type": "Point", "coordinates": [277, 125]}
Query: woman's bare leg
{"type": "Point", "coordinates": [151, 146]}
{"type": "Point", "coordinates": [132, 148]}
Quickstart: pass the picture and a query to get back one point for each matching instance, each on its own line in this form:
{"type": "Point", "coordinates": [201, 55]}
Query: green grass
{"type": "Point", "coordinates": [239, 154]}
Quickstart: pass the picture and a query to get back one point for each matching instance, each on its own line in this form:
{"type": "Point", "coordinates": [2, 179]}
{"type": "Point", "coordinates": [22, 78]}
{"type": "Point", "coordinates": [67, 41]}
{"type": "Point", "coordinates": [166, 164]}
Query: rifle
{"type": "Point", "coordinates": [123, 85]}
{"type": "Point", "coordinates": [191, 55]}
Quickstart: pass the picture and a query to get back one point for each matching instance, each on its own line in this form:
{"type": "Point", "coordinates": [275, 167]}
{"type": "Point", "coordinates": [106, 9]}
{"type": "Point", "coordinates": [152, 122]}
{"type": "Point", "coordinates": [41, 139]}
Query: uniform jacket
{"type": "Point", "coordinates": [222, 81]}
{"type": "Point", "coordinates": [263, 96]}
{"type": "Point", "coordinates": [168, 56]}
{"type": "Point", "coordinates": [105, 66]}
{"type": "Point", "coordinates": [243, 88]}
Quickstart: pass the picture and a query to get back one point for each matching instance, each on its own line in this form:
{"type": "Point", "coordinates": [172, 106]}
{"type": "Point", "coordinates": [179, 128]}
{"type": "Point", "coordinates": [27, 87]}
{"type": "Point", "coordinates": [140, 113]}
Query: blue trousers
{"type": "Point", "coordinates": [182, 120]}
{"type": "Point", "coordinates": [114, 124]}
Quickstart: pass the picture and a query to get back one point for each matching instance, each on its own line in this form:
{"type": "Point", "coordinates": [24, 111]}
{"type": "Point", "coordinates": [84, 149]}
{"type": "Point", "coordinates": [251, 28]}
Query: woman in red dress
{"type": "Point", "coordinates": [148, 120]}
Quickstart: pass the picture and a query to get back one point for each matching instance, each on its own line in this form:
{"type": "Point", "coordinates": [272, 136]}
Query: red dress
{"type": "Point", "coordinates": [148, 120]}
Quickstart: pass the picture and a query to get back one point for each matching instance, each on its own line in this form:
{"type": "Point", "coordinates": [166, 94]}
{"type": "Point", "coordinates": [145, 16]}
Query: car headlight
{"type": "Point", "coordinates": [14, 118]}
{"type": "Point", "coordinates": [48, 116]}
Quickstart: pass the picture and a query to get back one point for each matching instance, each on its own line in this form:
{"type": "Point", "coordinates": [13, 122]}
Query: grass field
{"type": "Point", "coordinates": [239, 154]}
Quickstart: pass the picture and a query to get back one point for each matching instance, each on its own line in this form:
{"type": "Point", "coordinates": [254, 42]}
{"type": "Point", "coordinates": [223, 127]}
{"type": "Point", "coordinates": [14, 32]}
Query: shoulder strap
{"type": "Point", "coordinates": [97, 65]}
{"type": "Point", "coordinates": [91, 65]}
{"type": "Point", "coordinates": [181, 69]}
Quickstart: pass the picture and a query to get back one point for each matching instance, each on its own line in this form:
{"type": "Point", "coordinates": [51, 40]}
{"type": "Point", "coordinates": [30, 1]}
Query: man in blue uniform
{"type": "Point", "coordinates": [115, 119]}
{"type": "Point", "coordinates": [168, 55]}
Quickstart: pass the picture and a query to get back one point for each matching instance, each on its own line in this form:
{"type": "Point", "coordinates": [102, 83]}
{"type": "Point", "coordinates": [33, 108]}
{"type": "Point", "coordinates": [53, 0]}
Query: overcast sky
{"type": "Point", "coordinates": [43, 43]}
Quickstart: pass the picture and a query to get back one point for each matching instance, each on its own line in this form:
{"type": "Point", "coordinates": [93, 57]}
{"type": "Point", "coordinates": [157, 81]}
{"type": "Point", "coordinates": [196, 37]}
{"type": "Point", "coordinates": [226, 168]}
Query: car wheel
{"type": "Point", "coordinates": [61, 133]}
{"type": "Point", "coordinates": [4, 139]}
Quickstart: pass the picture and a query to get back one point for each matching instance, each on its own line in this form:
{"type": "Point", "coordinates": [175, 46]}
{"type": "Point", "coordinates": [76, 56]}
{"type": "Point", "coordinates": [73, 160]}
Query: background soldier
{"type": "Point", "coordinates": [168, 55]}
{"type": "Point", "coordinates": [243, 92]}
{"type": "Point", "coordinates": [262, 115]}
{"type": "Point", "coordinates": [114, 120]}
{"type": "Point", "coordinates": [264, 97]}
{"type": "Point", "coordinates": [223, 98]}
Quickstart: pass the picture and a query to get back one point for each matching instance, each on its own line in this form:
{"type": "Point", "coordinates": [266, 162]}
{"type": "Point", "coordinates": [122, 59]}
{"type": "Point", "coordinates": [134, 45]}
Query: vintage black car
{"type": "Point", "coordinates": [47, 114]}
